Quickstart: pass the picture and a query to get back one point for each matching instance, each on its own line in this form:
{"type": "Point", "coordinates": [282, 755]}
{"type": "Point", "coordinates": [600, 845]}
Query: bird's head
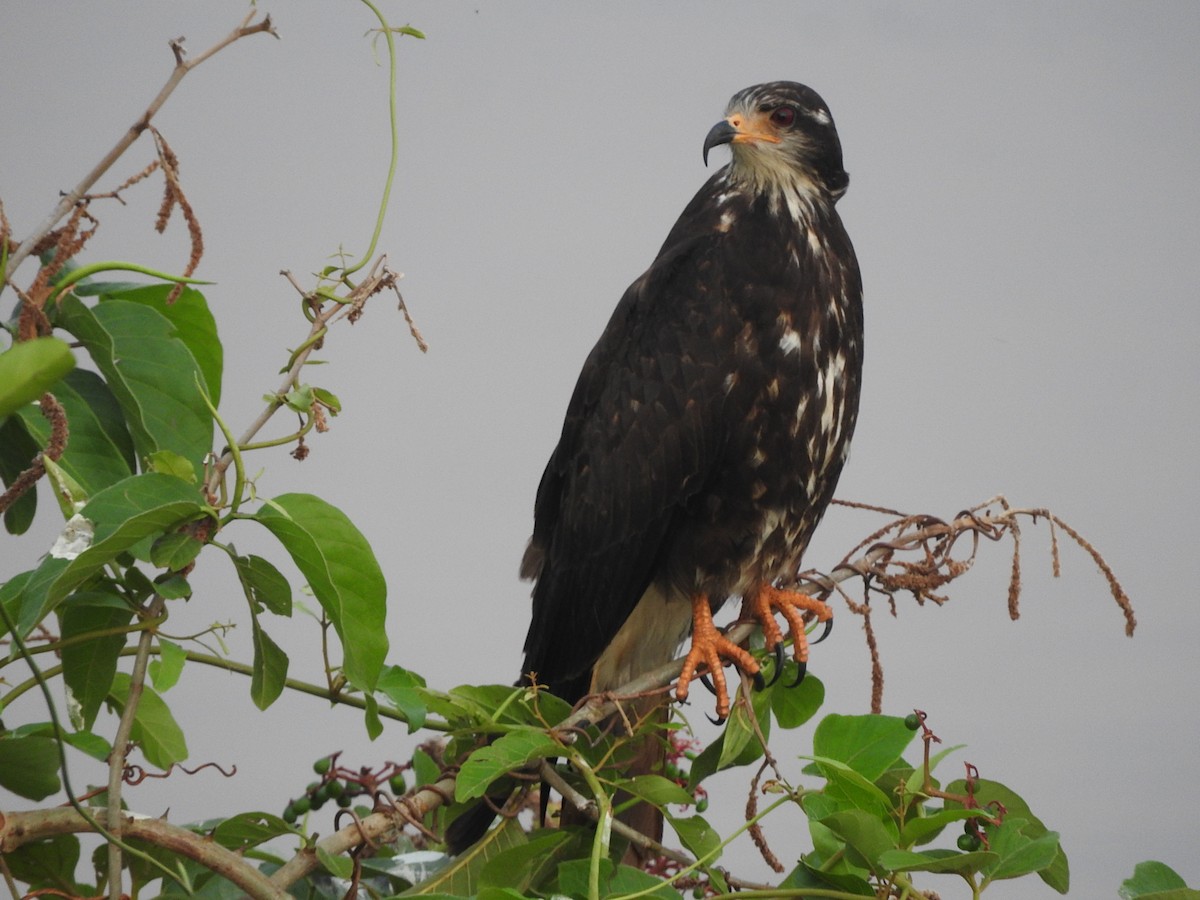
{"type": "Point", "coordinates": [783, 139]}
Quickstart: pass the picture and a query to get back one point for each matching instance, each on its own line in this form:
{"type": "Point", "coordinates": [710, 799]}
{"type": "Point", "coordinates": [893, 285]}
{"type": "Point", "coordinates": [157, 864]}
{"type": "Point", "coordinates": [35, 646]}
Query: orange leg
{"type": "Point", "coordinates": [710, 647]}
{"type": "Point", "coordinates": [762, 607]}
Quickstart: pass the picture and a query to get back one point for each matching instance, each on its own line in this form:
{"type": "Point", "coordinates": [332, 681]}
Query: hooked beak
{"type": "Point", "coordinates": [721, 133]}
{"type": "Point", "coordinates": [737, 130]}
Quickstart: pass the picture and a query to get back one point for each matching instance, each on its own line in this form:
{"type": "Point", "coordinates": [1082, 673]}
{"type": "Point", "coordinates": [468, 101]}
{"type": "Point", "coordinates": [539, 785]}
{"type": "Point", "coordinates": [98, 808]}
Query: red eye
{"type": "Point", "coordinates": [784, 116]}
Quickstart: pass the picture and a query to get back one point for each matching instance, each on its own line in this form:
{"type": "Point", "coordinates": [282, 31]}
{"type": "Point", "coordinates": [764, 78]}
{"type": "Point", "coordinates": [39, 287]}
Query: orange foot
{"type": "Point", "coordinates": [762, 607]}
{"type": "Point", "coordinates": [711, 648]}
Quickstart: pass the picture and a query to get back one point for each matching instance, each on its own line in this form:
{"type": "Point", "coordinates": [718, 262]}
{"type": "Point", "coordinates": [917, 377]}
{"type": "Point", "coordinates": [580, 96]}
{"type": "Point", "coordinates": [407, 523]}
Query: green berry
{"type": "Point", "coordinates": [912, 721]}
{"type": "Point", "coordinates": [335, 789]}
{"type": "Point", "coordinates": [397, 784]}
{"type": "Point", "coordinates": [702, 804]}
{"type": "Point", "coordinates": [968, 843]}
{"type": "Point", "coordinates": [344, 801]}
{"type": "Point", "coordinates": [301, 805]}
{"type": "Point", "coordinates": [322, 765]}
{"type": "Point", "coordinates": [289, 814]}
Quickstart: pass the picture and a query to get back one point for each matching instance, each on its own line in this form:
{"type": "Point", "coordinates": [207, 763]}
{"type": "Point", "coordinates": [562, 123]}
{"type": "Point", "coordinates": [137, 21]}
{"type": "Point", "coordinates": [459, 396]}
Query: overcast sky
{"type": "Point", "coordinates": [1023, 201]}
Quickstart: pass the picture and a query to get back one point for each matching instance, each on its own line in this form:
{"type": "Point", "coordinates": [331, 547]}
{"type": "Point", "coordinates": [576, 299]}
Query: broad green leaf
{"type": "Point", "coordinates": [1057, 875]}
{"type": "Point", "coordinates": [29, 369]}
{"type": "Point", "coordinates": [120, 516]}
{"type": "Point", "coordinates": [697, 836]}
{"type": "Point", "coordinates": [194, 325]}
{"type": "Point", "coordinates": [172, 586]}
{"type": "Point", "coordinates": [371, 720]}
{"type": "Point", "coordinates": [100, 451]}
{"type": "Point", "coordinates": [868, 744]}
{"type": "Point", "coordinates": [264, 585]}
{"type": "Point", "coordinates": [29, 766]}
{"type": "Point", "coordinates": [270, 668]}
{"type": "Point", "coordinates": [460, 878]}
{"type": "Point", "coordinates": [338, 866]}
{"type": "Point", "coordinates": [1018, 853]}
{"type": "Point", "coordinates": [741, 744]}
{"type": "Point", "coordinates": [864, 834]}
{"type": "Point", "coordinates": [342, 572]}
{"type": "Point", "coordinates": [89, 666]}
{"type": "Point", "coordinates": [48, 865]}
{"type": "Point", "coordinates": [154, 728]}
{"type": "Point", "coordinates": [251, 829]}
{"type": "Point", "coordinates": [657, 790]}
{"type": "Point", "coordinates": [150, 371]}
{"type": "Point", "coordinates": [508, 752]}
{"type": "Point", "coordinates": [793, 706]}
{"type": "Point", "coordinates": [402, 688]}
{"type": "Point", "coordinates": [936, 861]}
{"type": "Point", "coordinates": [1152, 879]}
{"type": "Point", "coordinates": [175, 550]}
{"type": "Point", "coordinates": [628, 880]}
{"type": "Point", "coordinates": [850, 790]}
{"type": "Point", "coordinates": [17, 451]}
{"type": "Point", "coordinates": [168, 462]}
{"type": "Point", "coordinates": [165, 671]}
{"type": "Point", "coordinates": [526, 865]}
{"type": "Point", "coordinates": [923, 828]}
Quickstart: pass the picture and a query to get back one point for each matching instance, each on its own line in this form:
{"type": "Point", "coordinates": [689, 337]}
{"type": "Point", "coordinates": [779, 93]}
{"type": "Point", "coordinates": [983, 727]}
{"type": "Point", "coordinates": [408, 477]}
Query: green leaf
{"type": "Point", "coordinates": [29, 369]}
{"type": "Point", "coordinates": [168, 462]}
{"type": "Point", "coordinates": [371, 720]}
{"type": "Point", "coordinates": [1057, 875]}
{"type": "Point", "coordinates": [29, 766]}
{"type": "Point", "coordinates": [165, 671]}
{"type": "Point", "coordinates": [342, 572]}
{"type": "Point", "coordinates": [328, 400]}
{"type": "Point", "coordinates": [154, 728]}
{"type": "Point", "coordinates": [460, 878]}
{"type": "Point", "coordinates": [270, 668]}
{"type": "Point", "coordinates": [120, 516]}
{"type": "Point", "coordinates": [740, 744]}
{"type": "Point", "coordinates": [1018, 853]}
{"type": "Point", "coordinates": [89, 667]}
{"type": "Point", "coordinates": [299, 398]}
{"type": "Point", "coordinates": [264, 585]}
{"type": "Point", "coordinates": [698, 837]}
{"type": "Point", "coordinates": [865, 834]}
{"type": "Point", "coordinates": [251, 829]}
{"type": "Point", "coordinates": [528, 864]}
{"type": "Point", "coordinates": [175, 550]}
{"type": "Point", "coordinates": [401, 687]}
{"type": "Point", "coordinates": [172, 586]}
{"type": "Point", "coordinates": [508, 752]}
{"type": "Point", "coordinates": [194, 325]}
{"type": "Point", "coordinates": [657, 790]}
{"type": "Point", "coordinates": [150, 371]}
{"type": "Point", "coordinates": [47, 865]}
{"type": "Point", "coordinates": [923, 828]}
{"type": "Point", "coordinates": [868, 744]}
{"type": "Point", "coordinates": [1156, 880]}
{"type": "Point", "coordinates": [850, 790]}
{"type": "Point", "coordinates": [944, 861]}
{"type": "Point", "coordinates": [338, 866]}
{"type": "Point", "coordinates": [17, 451]}
{"type": "Point", "coordinates": [792, 707]}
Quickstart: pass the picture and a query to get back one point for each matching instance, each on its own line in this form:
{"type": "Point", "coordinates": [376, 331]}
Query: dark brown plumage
{"type": "Point", "coordinates": [710, 423]}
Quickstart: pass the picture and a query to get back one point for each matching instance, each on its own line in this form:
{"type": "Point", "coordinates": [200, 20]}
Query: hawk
{"type": "Point", "coordinates": [709, 425]}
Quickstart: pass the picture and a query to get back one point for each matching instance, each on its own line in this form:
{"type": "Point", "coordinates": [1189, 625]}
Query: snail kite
{"type": "Point", "coordinates": [710, 423]}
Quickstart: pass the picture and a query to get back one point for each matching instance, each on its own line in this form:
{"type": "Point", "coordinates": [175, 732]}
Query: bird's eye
{"type": "Point", "coordinates": [784, 116]}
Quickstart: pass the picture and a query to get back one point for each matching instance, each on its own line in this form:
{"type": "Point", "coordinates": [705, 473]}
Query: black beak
{"type": "Point", "coordinates": [721, 133]}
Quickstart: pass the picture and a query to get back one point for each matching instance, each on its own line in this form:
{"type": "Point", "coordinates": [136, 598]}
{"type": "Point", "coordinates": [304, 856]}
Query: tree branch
{"type": "Point", "coordinates": [20, 828]}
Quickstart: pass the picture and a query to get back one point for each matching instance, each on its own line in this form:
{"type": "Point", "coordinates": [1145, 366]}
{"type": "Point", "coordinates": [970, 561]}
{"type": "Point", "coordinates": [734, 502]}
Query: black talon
{"type": "Point", "coordinates": [760, 683]}
{"type": "Point", "coordinates": [825, 633]}
{"type": "Point", "coordinates": [718, 721]}
{"type": "Point", "coordinates": [704, 680]}
{"type": "Point", "coordinates": [778, 651]}
{"type": "Point", "coordinates": [802, 670]}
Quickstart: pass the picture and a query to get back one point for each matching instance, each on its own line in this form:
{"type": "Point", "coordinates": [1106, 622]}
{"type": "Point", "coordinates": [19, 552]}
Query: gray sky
{"type": "Point", "coordinates": [1023, 201]}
